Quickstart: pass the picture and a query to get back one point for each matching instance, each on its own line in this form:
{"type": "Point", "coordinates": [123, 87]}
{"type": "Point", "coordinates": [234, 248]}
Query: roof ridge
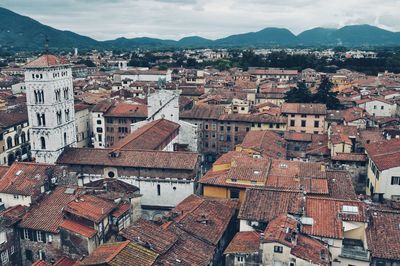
{"type": "Point", "coordinates": [117, 251]}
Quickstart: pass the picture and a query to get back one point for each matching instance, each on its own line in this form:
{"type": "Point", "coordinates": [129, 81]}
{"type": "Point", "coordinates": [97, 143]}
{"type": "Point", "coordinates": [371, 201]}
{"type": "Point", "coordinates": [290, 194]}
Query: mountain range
{"type": "Point", "coordinates": [23, 33]}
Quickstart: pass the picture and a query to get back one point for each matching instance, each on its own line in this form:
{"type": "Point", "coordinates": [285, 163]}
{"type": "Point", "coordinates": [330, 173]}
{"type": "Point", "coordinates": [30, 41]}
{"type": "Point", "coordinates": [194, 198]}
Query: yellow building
{"type": "Point", "coordinates": [232, 173]}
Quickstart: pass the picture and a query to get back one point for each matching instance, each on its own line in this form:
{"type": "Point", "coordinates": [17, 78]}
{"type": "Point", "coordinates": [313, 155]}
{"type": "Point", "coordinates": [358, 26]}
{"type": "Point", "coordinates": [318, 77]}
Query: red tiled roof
{"type": "Point", "coordinates": [340, 185]}
{"type": "Point", "coordinates": [47, 60]}
{"type": "Point", "coordinates": [280, 230]}
{"type": "Point", "coordinates": [266, 204]}
{"type": "Point", "coordinates": [78, 228]}
{"type": "Point", "coordinates": [303, 108]}
{"type": "Point", "coordinates": [147, 233]}
{"type": "Point", "coordinates": [121, 210]}
{"type": "Point", "coordinates": [205, 218]}
{"type": "Point", "coordinates": [123, 109]}
{"type": "Point", "coordinates": [104, 253]}
{"type": "Point", "coordinates": [244, 243]}
{"type": "Point", "coordinates": [327, 215]}
{"type": "Point", "coordinates": [188, 250]}
{"type": "Point", "coordinates": [3, 170]}
{"type": "Point", "coordinates": [383, 234]}
{"type": "Point", "coordinates": [130, 158]}
{"type": "Point", "coordinates": [152, 136]}
{"type": "Point", "coordinates": [266, 142]}
{"type": "Point", "coordinates": [92, 208]}
{"type": "Point", "coordinates": [385, 154]}
{"type": "Point", "coordinates": [343, 134]}
{"type": "Point", "coordinates": [48, 215]}
{"type": "Point", "coordinates": [309, 176]}
{"type": "Point", "coordinates": [25, 178]}
{"type": "Point", "coordinates": [353, 157]}
{"type": "Point", "coordinates": [40, 263]}
{"type": "Point", "coordinates": [284, 230]}
{"type": "Point", "coordinates": [310, 249]}
{"type": "Point", "coordinates": [65, 261]}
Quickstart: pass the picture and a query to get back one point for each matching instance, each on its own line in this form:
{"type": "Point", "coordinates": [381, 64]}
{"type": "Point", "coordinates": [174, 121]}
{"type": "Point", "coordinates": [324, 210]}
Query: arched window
{"type": "Point", "coordinates": [42, 143]}
{"type": "Point", "coordinates": [36, 97]}
{"type": "Point", "coordinates": [42, 96]}
{"type": "Point", "coordinates": [23, 137]}
{"type": "Point", "coordinates": [158, 190]}
{"type": "Point", "coordinates": [65, 138]}
{"type": "Point", "coordinates": [16, 140]}
{"type": "Point", "coordinates": [9, 143]}
{"type": "Point", "coordinates": [58, 117]}
{"type": "Point", "coordinates": [39, 119]}
{"type": "Point", "coordinates": [67, 115]}
{"type": "Point", "coordinates": [43, 120]}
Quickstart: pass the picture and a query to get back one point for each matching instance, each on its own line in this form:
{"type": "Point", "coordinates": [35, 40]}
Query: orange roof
{"type": "Point", "coordinates": [244, 242]}
{"type": "Point", "coordinates": [47, 60]}
{"type": "Point", "coordinates": [151, 136]}
{"type": "Point", "coordinates": [24, 178]}
{"type": "Point", "coordinates": [104, 253]}
{"type": "Point", "coordinates": [385, 154]}
{"type": "Point", "coordinates": [280, 230]}
{"type": "Point", "coordinates": [121, 209]}
{"type": "Point", "coordinates": [328, 214]}
{"type": "Point", "coordinates": [90, 207]}
{"type": "Point", "coordinates": [78, 228]}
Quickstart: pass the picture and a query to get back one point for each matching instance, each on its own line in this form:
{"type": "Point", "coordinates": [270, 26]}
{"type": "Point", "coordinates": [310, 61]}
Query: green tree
{"type": "Point", "coordinates": [300, 94]}
{"type": "Point", "coordinates": [326, 96]}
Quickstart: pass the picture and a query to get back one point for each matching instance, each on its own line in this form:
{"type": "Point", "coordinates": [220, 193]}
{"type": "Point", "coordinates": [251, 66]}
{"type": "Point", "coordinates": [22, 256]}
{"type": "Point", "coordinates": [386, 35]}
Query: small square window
{"type": "Point", "coordinates": [278, 249]}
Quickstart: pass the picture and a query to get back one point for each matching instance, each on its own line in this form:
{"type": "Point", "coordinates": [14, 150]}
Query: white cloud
{"type": "Point", "coordinates": [174, 19]}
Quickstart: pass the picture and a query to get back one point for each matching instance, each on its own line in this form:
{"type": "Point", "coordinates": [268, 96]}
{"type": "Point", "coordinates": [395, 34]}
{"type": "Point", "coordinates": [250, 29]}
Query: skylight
{"type": "Point", "coordinates": [350, 209]}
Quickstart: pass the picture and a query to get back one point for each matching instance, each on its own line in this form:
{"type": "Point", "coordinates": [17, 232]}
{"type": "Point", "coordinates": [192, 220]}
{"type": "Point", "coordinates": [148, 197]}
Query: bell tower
{"type": "Point", "coordinates": [50, 103]}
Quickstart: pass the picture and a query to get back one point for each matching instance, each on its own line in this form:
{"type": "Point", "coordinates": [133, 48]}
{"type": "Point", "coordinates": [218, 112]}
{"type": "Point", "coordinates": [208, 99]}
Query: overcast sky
{"type": "Point", "coordinates": [174, 19]}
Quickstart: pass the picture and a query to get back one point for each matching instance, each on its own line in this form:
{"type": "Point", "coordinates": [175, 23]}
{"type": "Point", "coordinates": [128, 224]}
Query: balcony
{"type": "Point", "coordinates": [354, 249]}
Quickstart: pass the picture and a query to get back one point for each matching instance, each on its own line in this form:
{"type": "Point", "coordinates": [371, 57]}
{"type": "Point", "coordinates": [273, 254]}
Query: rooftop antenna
{"type": "Point", "coordinates": [46, 44]}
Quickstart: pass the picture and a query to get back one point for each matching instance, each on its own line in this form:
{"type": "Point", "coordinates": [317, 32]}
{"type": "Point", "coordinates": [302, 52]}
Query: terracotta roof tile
{"type": "Point", "coordinates": [47, 60]}
{"type": "Point", "coordinates": [27, 178]}
{"type": "Point", "coordinates": [303, 108]}
{"type": "Point", "coordinates": [244, 243]}
{"type": "Point", "coordinates": [152, 136]}
{"type": "Point", "coordinates": [145, 232]}
{"type": "Point", "coordinates": [48, 215]}
{"type": "Point", "coordinates": [266, 142]}
{"type": "Point", "coordinates": [130, 158]}
{"type": "Point", "coordinates": [353, 157]}
{"type": "Point", "coordinates": [263, 205]}
{"type": "Point", "coordinates": [77, 228]}
{"type": "Point", "coordinates": [340, 185]}
{"type": "Point", "coordinates": [328, 214]}
{"type": "Point", "coordinates": [205, 218]}
{"type": "Point", "coordinates": [134, 254]}
{"type": "Point", "coordinates": [89, 207]}
{"type": "Point", "coordinates": [385, 154]}
{"type": "Point", "coordinates": [104, 253]}
{"type": "Point", "coordinates": [383, 234]}
{"type": "Point", "coordinates": [123, 109]}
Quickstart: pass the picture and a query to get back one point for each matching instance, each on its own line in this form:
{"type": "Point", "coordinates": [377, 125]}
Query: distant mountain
{"type": "Point", "coordinates": [316, 36]}
{"type": "Point", "coordinates": [21, 32]}
{"type": "Point", "coordinates": [267, 37]}
{"type": "Point", "coordinates": [194, 41]}
{"type": "Point", "coordinates": [136, 43]}
{"type": "Point", "coordinates": [365, 35]}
